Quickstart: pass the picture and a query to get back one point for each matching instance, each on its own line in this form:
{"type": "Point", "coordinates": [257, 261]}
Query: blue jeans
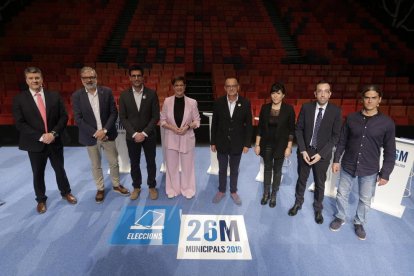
{"type": "Point", "coordinates": [366, 186]}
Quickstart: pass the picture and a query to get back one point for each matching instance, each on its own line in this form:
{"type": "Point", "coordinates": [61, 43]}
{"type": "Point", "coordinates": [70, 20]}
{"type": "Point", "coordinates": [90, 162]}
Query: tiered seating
{"type": "Point", "coordinates": [201, 35]}
{"type": "Point", "coordinates": [347, 35]}
{"type": "Point", "coordinates": [226, 38]}
{"type": "Point", "coordinates": [38, 37]}
{"type": "Point", "coordinates": [300, 81]}
{"type": "Point", "coordinates": [325, 38]}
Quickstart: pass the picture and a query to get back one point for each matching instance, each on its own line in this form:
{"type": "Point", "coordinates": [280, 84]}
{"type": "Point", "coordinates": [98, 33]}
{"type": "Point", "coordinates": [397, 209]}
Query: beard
{"type": "Point", "coordinates": [91, 86]}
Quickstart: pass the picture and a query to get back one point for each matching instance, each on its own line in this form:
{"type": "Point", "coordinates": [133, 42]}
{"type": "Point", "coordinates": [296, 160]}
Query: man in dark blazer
{"type": "Point", "coordinates": [316, 138]}
{"type": "Point", "coordinates": [41, 117]}
{"type": "Point", "coordinates": [95, 114]}
{"type": "Point", "coordinates": [231, 134]}
{"type": "Point", "coordinates": [139, 112]}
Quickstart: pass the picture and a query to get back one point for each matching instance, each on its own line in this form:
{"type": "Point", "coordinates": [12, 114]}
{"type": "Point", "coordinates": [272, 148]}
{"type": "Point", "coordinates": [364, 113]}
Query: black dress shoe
{"type": "Point", "coordinates": [265, 199]}
{"type": "Point", "coordinates": [294, 210]}
{"type": "Point", "coordinates": [318, 217]}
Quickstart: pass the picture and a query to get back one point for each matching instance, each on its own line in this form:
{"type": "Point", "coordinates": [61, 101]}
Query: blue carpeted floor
{"type": "Point", "coordinates": [74, 240]}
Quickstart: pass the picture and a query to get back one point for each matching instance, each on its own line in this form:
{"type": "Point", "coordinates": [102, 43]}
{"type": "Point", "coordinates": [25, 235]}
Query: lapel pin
{"type": "Point", "coordinates": [239, 104]}
{"type": "Point", "coordinates": [144, 97]}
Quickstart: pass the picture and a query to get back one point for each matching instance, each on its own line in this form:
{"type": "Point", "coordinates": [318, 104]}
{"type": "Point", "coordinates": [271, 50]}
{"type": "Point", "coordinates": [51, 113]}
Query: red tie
{"type": "Point", "coordinates": [42, 109]}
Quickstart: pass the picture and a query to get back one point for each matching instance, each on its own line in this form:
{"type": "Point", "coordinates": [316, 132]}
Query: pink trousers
{"type": "Point", "coordinates": [180, 183]}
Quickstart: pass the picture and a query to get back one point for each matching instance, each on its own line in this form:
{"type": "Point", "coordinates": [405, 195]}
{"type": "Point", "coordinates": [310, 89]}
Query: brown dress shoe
{"type": "Point", "coordinates": [100, 196]}
{"type": "Point", "coordinates": [153, 193]}
{"type": "Point", "coordinates": [41, 207]}
{"type": "Point", "coordinates": [135, 193]}
{"type": "Point", "coordinates": [70, 198]}
{"type": "Point", "coordinates": [121, 190]}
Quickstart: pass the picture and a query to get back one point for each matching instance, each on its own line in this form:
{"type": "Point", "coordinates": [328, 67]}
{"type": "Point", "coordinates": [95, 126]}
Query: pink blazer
{"type": "Point", "coordinates": [181, 143]}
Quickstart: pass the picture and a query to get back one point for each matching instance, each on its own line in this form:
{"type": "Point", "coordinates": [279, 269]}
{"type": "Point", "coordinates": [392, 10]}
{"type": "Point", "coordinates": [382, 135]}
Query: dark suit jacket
{"type": "Point", "coordinates": [85, 119]}
{"type": "Point", "coordinates": [231, 134]}
{"type": "Point", "coordinates": [29, 121]}
{"type": "Point", "coordinates": [329, 131]}
{"type": "Point", "coordinates": [285, 127]}
{"type": "Point", "coordinates": [143, 120]}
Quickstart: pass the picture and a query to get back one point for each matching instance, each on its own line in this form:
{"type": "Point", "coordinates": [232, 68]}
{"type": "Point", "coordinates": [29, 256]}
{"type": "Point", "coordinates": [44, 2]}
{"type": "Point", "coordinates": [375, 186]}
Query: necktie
{"type": "Point", "coordinates": [314, 142]}
{"type": "Point", "coordinates": [42, 109]}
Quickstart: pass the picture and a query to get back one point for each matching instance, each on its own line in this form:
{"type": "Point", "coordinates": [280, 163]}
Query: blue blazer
{"type": "Point", "coordinates": [85, 119]}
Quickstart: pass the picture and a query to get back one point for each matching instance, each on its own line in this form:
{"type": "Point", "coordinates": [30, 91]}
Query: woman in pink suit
{"type": "Point", "coordinates": [179, 118]}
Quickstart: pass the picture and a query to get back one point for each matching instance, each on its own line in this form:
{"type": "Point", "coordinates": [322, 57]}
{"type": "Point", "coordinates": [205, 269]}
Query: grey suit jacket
{"type": "Point", "coordinates": [144, 120]}
{"type": "Point", "coordinates": [329, 131]}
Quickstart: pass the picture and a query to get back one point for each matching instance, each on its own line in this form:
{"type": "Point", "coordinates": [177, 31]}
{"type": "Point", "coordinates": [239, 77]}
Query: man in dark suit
{"type": "Point", "coordinates": [95, 114]}
{"type": "Point", "coordinates": [139, 112]}
{"type": "Point", "coordinates": [231, 134]}
{"type": "Point", "coordinates": [317, 132]}
{"type": "Point", "coordinates": [41, 117]}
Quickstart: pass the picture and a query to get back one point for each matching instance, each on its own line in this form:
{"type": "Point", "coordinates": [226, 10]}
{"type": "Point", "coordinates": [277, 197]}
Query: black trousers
{"type": "Point", "coordinates": [134, 152]}
{"type": "Point", "coordinates": [233, 160]}
{"type": "Point", "coordinates": [272, 166]}
{"type": "Point", "coordinates": [38, 162]}
{"type": "Point", "coordinates": [319, 177]}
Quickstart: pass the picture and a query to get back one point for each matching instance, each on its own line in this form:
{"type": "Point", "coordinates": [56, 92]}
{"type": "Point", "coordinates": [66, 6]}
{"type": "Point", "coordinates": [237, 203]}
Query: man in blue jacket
{"type": "Point", "coordinates": [95, 114]}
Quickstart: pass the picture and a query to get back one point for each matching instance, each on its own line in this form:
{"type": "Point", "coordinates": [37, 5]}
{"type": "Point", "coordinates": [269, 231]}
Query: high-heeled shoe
{"type": "Point", "coordinates": [272, 202]}
{"type": "Point", "coordinates": [266, 194]}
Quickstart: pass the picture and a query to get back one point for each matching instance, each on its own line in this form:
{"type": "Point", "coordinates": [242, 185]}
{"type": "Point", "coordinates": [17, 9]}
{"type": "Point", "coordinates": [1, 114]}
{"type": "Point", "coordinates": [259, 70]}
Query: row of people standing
{"type": "Point", "coordinates": [231, 132]}
{"type": "Point", "coordinates": [318, 131]}
{"type": "Point", "coordinates": [41, 117]}
{"type": "Point", "coordinates": [95, 114]}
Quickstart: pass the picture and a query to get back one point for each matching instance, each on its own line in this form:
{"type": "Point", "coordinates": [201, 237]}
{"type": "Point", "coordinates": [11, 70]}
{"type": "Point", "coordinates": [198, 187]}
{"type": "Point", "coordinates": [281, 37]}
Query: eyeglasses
{"type": "Point", "coordinates": [231, 86]}
{"type": "Point", "coordinates": [136, 76]}
{"type": "Point", "coordinates": [89, 78]}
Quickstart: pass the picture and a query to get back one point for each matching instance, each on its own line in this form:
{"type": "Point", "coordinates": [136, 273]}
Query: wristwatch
{"type": "Point", "coordinates": [105, 130]}
{"type": "Point", "coordinates": [54, 133]}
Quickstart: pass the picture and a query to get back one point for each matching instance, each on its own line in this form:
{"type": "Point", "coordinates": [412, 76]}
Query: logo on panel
{"type": "Point", "coordinates": [213, 237]}
{"type": "Point", "coordinates": [147, 225]}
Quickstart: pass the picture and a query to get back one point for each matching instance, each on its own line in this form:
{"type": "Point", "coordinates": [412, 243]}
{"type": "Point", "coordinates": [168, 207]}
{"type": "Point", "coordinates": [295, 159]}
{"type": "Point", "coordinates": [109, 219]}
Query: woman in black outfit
{"type": "Point", "coordinates": [274, 140]}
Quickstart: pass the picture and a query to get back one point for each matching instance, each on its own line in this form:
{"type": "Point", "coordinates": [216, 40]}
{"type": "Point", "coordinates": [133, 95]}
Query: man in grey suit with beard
{"type": "Point", "coordinates": [95, 115]}
{"type": "Point", "coordinates": [317, 132]}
